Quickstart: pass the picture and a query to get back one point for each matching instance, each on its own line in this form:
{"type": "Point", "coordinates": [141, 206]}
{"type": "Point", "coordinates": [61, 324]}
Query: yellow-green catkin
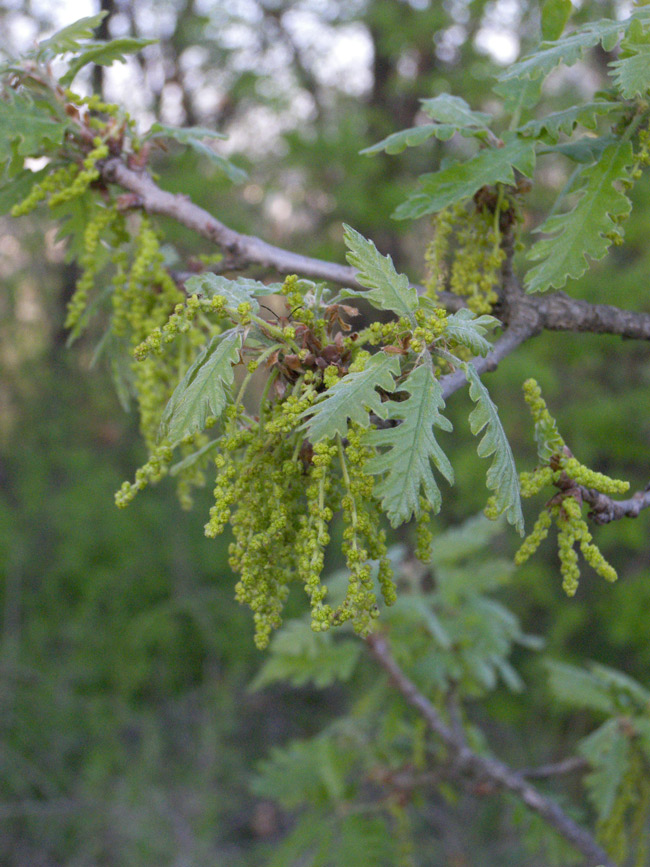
{"type": "Point", "coordinates": [84, 178]}
{"type": "Point", "coordinates": [57, 180]}
{"type": "Point", "coordinates": [363, 540]}
{"type": "Point", "coordinates": [90, 262]}
{"type": "Point", "coordinates": [568, 474]}
{"type": "Point", "coordinates": [436, 252]}
{"type": "Point", "coordinates": [477, 260]}
{"type": "Point", "coordinates": [532, 542]}
{"type": "Point", "coordinates": [313, 534]}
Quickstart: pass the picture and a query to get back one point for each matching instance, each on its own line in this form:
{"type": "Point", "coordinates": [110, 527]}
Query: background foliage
{"type": "Point", "coordinates": [128, 730]}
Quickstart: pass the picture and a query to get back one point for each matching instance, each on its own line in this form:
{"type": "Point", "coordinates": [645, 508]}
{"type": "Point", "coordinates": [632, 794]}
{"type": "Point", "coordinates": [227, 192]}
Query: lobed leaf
{"type": "Point", "coordinates": [450, 114]}
{"type": "Point", "coordinates": [631, 71]}
{"type": "Point", "coordinates": [26, 130]}
{"type": "Point", "coordinates": [409, 138]}
{"type": "Point", "coordinates": [584, 150]}
{"type": "Point", "coordinates": [448, 109]}
{"type": "Point", "coordinates": [69, 39]}
{"type": "Point", "coordinates": [411, 448]}
{"type": "Point", "coordinates": [632, 74]}
{"type": "Point", "coordinates": [460, 181]}
{"type": "Point", "coordinates": [352, 397]}
{"type": "Point", "coordinates": [548, 439]}
{"type": "Point", "coordinates": [104, 54]}
{"type": "Point", "coordinates": [502, 476]}
{"type": "Point", "coordinates": [389, 290]}
{"type": "Point", "coordinates": [583, 231]}
{"type": "Point", "coordinates": [202, 391]}
{"type": "Point", "coordinates": [236, 292]}
{"type": "Point", "coordinates": [566, 121]}
{"type": "Point", "coordinates": [193, 137]}
{"type": "Point", "coordinates": [569, 49]}
{"type": "Point", "coordinates": [468, 329]}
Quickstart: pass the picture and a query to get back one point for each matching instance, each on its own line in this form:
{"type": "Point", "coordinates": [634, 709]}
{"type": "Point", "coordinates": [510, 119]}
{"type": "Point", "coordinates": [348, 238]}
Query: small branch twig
{"type": "Point", "coordinates": [604, 509]}
{"type": "Point", "coordinates": [555, 311]}
{"type": "Point", "coordinates": [572, 765]}
{"type": "Point", "coordinates": [486, 768]}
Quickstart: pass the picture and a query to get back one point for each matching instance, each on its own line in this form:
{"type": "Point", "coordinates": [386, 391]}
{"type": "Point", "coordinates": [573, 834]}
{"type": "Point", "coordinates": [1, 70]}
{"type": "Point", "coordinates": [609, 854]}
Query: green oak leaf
{"type": "Point", "coordinates": [203, 389]}
{"type": "Point", "coordinates": [104, 54]}
{"type": "Point", "coordinates": [502, 477]}
{"type": "Point", "coordinates": [411, 137]}
{"type": "Point", "coordinates": [468, 329]}
{"type": "Point", "coordinates": [566, 121]}
{"type": "Point", "coordinates": [583, 231]}
{"type": "Point", "coordinates": [236, 292]}
{"type": "Point", "coordinates": [411, 449]}
{"type": "Point", "coordinates": [352, 397]}
{"type": "Point", "coordinates": [460, 181]}
{"type": "Point", "coordinates": [569, 49]}
{"type": "Point", "coordinates": [450, 114]}
{"type": "Point", "coordinates": [69, 39]}
{"type": "Point", "coordinates": [193, 137]}
{"type": "Point", "coordinates": [388, 289]}
{"type": "Point", "coordinates": [631, 71]}
{"type": "Point", "coordinates": [448, 109]}
{"type": "Point", "coordinates": [27, 129]}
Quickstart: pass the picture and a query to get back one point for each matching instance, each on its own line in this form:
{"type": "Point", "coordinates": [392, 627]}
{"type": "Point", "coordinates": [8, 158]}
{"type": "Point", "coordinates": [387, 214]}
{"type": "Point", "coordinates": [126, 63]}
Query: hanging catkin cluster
{"type": "Point", "coordinates": [561, 469]}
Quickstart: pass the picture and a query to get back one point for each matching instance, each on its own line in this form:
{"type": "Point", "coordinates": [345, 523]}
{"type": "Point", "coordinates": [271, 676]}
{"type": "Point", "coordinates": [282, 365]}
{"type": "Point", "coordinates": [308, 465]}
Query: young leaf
{"type": "Point", "coordinates": [189, 460]}
{"type": "Point", "coordinates": [584, 150]}
{"type": "Point", "coordinates": [583, 231]}
{"type": "Point", "coordinates": [461, 180]}
{"type": "Point", "coordinates": [409, 138]}
{"type": "Point", "coordinates": [411, 448]}
{"type": "Point", "coordinates": [236, 292]}
{"type": "Point", "coordinates": [632, 69]}
{"type": "Point", "coordinates": [468, 329]}
{"type": "Point", "coordinates": [548, 439]}
{"type": "Point", "coordinates": [632, 73]}
{"type": "Point", "coordinates": [450, 113]}
{"type": "Point", "coordinates": [352, 397]}
{"type": "Point", "coordinates": [193, 137]}
{"type": "Point", "coordinates": [566, 121]}
{"type": "Point", "coordinates": [388, 289]}
{"type": "Point", "coordinates": [455, 111]}
{"type": "Point", "coordinates": [202, 391]}
{"type": "Point", "coordinates": [568, 49]}
{"type": "Point", "coordinates": [27, 130]}
{"type": "Point", "coordinates": [502, 477]}
{"type": "Point", "coordinates": [104, 54]}
{"type": "Point", "coordinates": [69, 39]}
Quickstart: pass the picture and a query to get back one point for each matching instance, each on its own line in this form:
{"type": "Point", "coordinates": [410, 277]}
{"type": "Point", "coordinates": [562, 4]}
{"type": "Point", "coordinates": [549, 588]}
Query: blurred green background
{"type": "Point", "coordinates": [127, 733]}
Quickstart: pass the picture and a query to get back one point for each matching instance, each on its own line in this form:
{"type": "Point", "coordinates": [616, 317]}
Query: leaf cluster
{"type": "Point", "coordinates": [598, 136]}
